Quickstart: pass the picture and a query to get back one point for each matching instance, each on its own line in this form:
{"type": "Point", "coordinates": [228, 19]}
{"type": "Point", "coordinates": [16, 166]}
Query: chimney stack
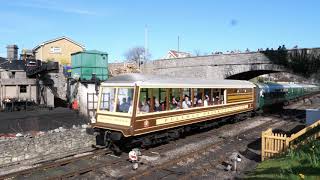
{"type": "Point", "coordinates": [12, 52]}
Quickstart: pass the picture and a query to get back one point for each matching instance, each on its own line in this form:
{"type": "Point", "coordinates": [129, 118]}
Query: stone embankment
{"type": "Point", "coordinates": [33, 148]}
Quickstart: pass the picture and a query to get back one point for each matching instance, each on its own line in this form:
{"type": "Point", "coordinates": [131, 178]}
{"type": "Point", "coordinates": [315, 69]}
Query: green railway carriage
{"type": "Point", "coordinates": [280, 93]}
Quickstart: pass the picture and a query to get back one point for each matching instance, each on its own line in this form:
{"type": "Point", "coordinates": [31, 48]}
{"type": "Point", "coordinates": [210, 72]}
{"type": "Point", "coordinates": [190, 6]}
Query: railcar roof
{"type": "Point", "coordinates": [274, 86]}
{"type": "Point", "coordinates": [165, 81]}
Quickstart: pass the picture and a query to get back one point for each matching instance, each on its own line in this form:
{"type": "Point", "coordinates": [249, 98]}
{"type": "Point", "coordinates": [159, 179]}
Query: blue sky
{"type": "Point", "coordinates": [115, 26]}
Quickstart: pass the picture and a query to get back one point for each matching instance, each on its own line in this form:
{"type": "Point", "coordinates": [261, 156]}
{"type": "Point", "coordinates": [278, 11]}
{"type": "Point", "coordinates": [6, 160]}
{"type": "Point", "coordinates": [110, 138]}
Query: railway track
{"type": "Point", "coordinates": [62, 168]}
{"type": "Point", "coordinates": [170, 169]}
{"type": "Point", "coordinates": [79, 165]}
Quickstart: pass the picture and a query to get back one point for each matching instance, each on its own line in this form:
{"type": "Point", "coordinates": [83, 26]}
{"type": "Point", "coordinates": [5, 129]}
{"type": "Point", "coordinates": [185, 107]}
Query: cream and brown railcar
{"type": "Point", "coordinates": [133, 104]}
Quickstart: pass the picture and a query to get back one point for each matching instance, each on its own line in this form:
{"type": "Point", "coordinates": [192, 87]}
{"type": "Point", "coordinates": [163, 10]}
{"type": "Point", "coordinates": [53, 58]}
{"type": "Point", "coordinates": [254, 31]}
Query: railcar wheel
{"type": "Point", "coordinates": [115, 149]}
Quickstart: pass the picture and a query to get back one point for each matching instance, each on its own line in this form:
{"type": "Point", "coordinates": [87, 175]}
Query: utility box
{"type": "Point", "coordinates": [312, 115]}
{"type": "Point", "coordinates": [87, 64]}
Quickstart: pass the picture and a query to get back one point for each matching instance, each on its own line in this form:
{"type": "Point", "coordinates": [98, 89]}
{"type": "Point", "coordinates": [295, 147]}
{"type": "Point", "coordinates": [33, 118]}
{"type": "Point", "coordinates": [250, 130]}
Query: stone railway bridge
{"type": "Point", "coordinates": [243, 66]}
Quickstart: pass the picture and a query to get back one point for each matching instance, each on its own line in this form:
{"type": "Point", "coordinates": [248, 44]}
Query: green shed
{"type": "Point", "coordinates": [86, 63]}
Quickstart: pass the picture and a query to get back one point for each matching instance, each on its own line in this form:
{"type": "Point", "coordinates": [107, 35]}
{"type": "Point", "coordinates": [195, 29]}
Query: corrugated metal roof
{"type": "Point", "coordinates": [166, 81]}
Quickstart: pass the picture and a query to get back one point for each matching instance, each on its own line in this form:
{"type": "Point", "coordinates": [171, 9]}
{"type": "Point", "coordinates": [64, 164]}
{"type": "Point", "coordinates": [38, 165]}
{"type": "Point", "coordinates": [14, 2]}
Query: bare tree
{"type": "Point", "coordinates": [137, 54]}
{"type": "Point", "coordinates": [205, 54]}
{"type": "Point", "coordinates": [197, 52]}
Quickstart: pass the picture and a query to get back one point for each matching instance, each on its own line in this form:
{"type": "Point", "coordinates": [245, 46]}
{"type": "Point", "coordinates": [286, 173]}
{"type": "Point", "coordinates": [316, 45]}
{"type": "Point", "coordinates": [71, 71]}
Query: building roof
{"type": "Point", "coordinates": [91, 52]}
{"type": "Point", "coordinates": [12, 65]}
{"type": "Point", "coordinates": [2, 59]}
{"type": "Point", "coordinates": [173, 82]}
{"type": "Point", "coordinates": [57, 39]}
{"type": "Point", "coordinates": [178, 54]}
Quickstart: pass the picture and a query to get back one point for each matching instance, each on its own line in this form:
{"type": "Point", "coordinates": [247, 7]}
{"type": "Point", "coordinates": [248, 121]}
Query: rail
{"type": "Point", "coordinates": [52, 170]}
{"type": "Point", "coordinates": [273, 144]}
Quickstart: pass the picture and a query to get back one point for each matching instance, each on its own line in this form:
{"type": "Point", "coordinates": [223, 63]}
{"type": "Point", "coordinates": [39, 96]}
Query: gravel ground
{"type": "Point", "coordinates": [169, 161]}
{"type": "Point", "coordinates": [39, 120]}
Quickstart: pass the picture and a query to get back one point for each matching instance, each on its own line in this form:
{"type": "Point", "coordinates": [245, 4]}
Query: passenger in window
{"type": "Point", "coordinates": [199, 102]}
{"type": "Point", "coordinates": [146, 106]}
{"type": "Point", "coordinates": [195, 100]}
{"type": "Point", "coordinates": [186, 103]}
{"type": "Point", "coordinates": [164, 104]}
{"type": "Point", "coordinates": [218, 100]}
{"type": "Point", "coordinates": [124, 106]}
{"type": "Point", "coordinates": [206, 101]}
{"type": "Point", "coordinates": [112, 104]}
{"type": "Point", "coordinates": [174, 103]}
{"type": "Point", "coordinates": [130, 110]}
{"type": "Point", "coordinates": [157, 106]}
{"type": "Point", "coordinates": [139, 107]}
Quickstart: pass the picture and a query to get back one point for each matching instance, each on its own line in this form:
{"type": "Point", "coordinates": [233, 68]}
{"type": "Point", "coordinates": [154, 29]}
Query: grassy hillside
{"type": "Point", "coordinates": [301, 163]}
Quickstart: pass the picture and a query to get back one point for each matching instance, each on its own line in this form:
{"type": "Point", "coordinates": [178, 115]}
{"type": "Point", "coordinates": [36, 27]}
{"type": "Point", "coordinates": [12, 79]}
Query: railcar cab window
{"type": "Point", "coordinates": [116, 99]}
{"type": "Point", "coordinates": [125, 100]}
{"type": "Point", "coordinates": [107, 102]}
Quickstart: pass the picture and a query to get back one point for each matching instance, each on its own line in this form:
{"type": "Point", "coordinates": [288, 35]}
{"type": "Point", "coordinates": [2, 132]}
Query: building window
{"type": "Point", "coordinates": [23, 88]}
{"type": "Point", "coordinates": [55, 50]}
{"type": "Point", "coordinates": [12, 75]}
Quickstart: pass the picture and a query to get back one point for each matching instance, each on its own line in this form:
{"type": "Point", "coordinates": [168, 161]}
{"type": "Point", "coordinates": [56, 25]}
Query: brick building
{"type": "Point", "coordinates": [59, 49]}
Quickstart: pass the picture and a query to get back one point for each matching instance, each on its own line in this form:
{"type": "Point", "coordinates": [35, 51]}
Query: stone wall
{"type": "Point", "coordinates": [212, 66]}
{"type": "Point", "coordinates": [238, 65]}
{"type": "Point", "coordinates": [54, 143]}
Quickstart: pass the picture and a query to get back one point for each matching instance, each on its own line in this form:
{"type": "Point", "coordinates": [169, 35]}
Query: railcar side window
{"type": "Point", "coordinates": [153, 100]}
{"type": "Point", "coordinates": [197, 97]}
{"type": "Point", "coordinates": [107, 102]}
{"type": "Point", "coordinates": [217, 96]}
{"type": "Point", "coordinates": [207, 98]}
{"type": "Point", "coordinates": [175, 99]}
{"type": "Point", "coordinates": [125, 100]}
{"type": "Point", "coordinates": [167, 99]}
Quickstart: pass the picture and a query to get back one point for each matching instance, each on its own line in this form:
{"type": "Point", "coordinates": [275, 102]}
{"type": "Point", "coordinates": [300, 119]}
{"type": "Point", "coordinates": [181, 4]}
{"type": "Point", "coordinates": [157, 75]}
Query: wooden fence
{"type": "Point", "coordinates": [273, 144]}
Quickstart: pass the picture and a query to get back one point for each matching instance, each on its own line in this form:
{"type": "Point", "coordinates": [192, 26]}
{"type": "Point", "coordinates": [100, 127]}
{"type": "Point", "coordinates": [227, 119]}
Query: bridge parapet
{"type": "Point", "coordinates": [237, 66]}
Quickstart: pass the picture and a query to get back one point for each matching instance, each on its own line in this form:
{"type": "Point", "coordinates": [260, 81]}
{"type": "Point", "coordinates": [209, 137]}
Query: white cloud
{"type": "Point", "coordinates": [54, 6]}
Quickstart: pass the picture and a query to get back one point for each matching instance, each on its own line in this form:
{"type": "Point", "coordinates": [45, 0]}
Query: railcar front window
{"type": "Point", "coordinates": [107, 102]}
{"type": "Point", "coordinates": [125, 100]}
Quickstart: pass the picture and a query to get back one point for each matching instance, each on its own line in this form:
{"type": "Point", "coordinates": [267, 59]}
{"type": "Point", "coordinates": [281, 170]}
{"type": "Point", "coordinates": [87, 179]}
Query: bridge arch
{"type": "Point", "coordinates": [247, 72]}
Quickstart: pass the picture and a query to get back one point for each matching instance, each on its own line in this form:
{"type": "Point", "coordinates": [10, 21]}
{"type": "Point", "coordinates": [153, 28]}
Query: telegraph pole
{"type": "Point", "coordinates": [178, 43]}
{"type": "Point", "coordinates": [145, 42]}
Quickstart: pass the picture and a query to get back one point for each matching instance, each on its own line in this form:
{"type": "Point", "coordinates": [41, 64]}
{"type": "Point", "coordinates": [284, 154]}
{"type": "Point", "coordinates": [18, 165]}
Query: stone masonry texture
{"type": "Point", "coordinates": [53, 143]}
{"type": "Point", "coordinates": [212, 66]}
